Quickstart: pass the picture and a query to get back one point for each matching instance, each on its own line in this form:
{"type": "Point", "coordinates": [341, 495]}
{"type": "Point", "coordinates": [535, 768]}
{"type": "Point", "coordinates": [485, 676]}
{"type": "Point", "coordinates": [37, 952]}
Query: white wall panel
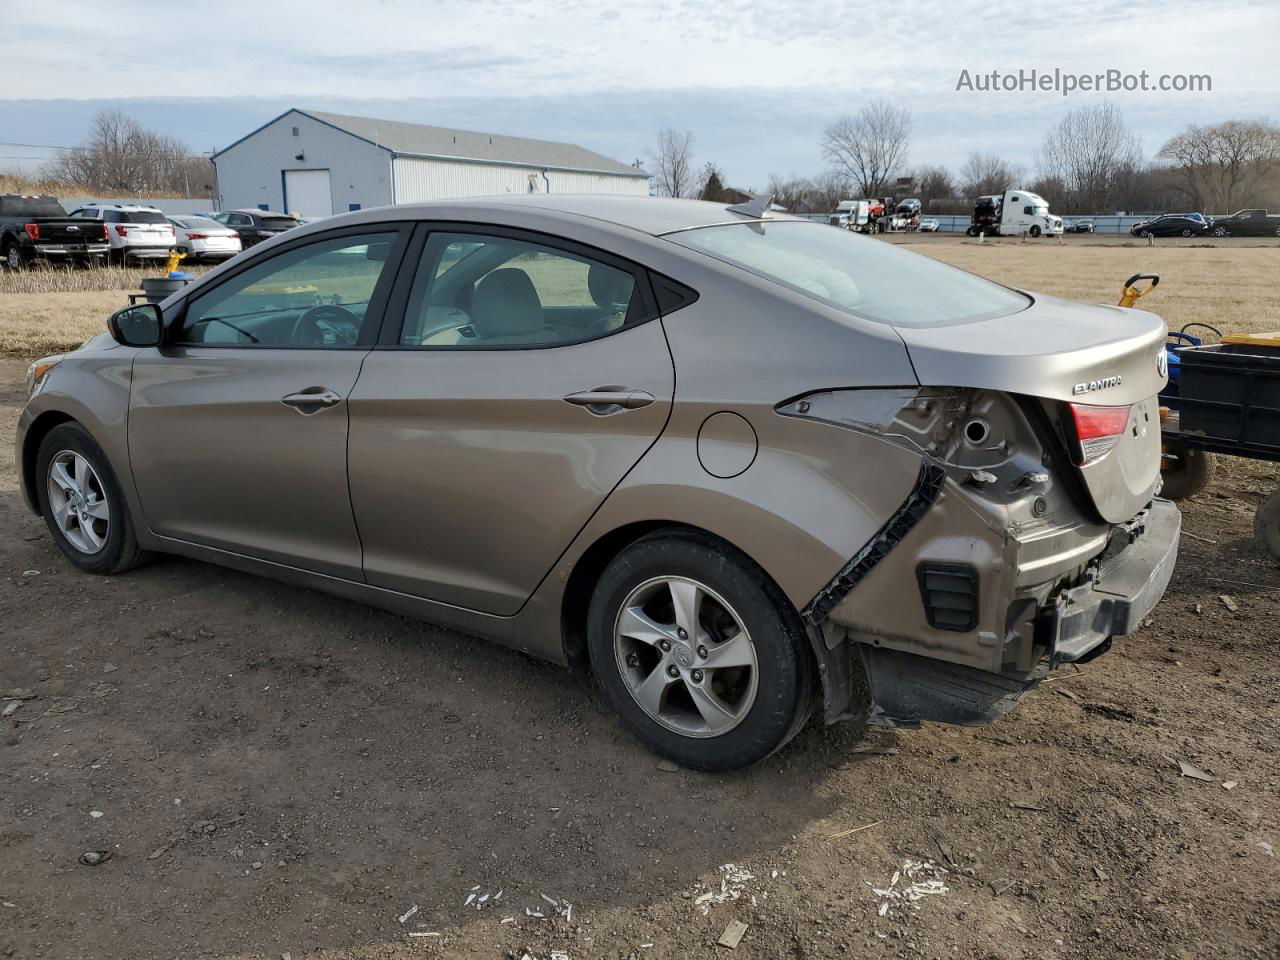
{"type": "Point", "coordinates": [419, 180]}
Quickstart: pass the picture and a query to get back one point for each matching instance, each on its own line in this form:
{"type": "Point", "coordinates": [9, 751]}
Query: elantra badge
{"type": "Point", "coordinates": [1102, 384]}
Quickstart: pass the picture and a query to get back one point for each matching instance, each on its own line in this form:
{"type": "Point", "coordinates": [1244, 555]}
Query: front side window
{"type": "Point", "coordinates": [477, 291]}
{"type": "Point", "coordinates": [317, 295]}
{"type": "Point", "coordinates": [860, 275]}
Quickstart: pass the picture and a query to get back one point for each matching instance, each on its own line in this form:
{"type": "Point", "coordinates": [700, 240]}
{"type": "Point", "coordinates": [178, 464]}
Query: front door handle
{"type": "Point", "coordinates": [603, 401]}
{"type": "Point", "coordinates": [312, 400]}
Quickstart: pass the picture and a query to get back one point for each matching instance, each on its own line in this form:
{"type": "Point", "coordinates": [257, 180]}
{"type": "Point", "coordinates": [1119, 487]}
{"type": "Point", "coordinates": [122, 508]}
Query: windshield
{"type": "Point", "coordinates": [863, 276]}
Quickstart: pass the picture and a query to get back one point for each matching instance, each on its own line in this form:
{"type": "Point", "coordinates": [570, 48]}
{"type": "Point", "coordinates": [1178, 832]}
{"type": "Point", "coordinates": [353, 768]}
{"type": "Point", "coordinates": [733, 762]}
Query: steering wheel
{"type": "Point", "coordinates": [326, 325]}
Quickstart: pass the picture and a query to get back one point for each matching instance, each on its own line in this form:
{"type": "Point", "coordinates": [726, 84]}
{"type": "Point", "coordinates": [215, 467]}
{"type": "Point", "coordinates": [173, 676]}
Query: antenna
{"type": "Point", "coordinates": [757, 207]}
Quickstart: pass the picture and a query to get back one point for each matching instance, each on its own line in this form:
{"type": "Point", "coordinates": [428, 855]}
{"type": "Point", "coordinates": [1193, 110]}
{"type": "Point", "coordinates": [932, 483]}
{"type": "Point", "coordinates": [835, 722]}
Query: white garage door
{"type": "Point", "coordinates": [306, 193]}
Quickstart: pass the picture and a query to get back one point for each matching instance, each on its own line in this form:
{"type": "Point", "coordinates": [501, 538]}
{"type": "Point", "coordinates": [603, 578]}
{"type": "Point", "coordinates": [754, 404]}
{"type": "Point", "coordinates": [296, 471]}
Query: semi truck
{"type": "Point", "coordinates": [1012, 213]}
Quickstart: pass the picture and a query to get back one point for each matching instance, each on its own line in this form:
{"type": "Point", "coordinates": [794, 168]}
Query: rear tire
{"type": "Point", "coordinates": [1188, 473]}
{"type": "Point", "coordinates": [89, 519]}
{"type": "Point", "coordinates": [1266, 524]}
{"type": "Point", "coordinates": [720, 696]}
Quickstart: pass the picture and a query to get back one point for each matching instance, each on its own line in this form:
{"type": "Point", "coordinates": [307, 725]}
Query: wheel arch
{"type": "Point", "coordinates": [35, 435]}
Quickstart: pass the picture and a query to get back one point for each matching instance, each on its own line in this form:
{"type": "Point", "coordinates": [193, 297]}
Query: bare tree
{"type": "Point", "coordinates": [1087, 150]}
{"type": "Point", "coordinates": [1224, 166]}
{"type": "Point", "coordinates": [673, 163]}
{"type": "Point", "coordinates": [868, 147]}
{"type": "Point", "coordinates": [984, 174]}
{"type": "Point", "coordinates": [122, 156]}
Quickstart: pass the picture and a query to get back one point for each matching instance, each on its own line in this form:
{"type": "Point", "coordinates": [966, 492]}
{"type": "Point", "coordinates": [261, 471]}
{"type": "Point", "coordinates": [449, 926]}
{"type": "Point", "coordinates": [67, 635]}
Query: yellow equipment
{"type": "Point", "coordinates": [1271, 340]}
{"type": "Point", "coordinates": [1132, 292]}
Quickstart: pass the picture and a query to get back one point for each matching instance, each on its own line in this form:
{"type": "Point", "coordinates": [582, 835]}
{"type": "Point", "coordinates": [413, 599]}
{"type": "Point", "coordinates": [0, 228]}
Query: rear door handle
{"type": "Point", "coordinates": [312, 400]}
{"type": "Point", "coordinates": [603, 401]}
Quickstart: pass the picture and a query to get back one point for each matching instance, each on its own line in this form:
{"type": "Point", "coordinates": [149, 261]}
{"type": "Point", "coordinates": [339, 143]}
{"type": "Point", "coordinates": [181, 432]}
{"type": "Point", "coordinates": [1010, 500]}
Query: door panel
{"type": "Point", "coordinates": [470, 474]}
{"type": "Point", "coordinates": [221, 461]}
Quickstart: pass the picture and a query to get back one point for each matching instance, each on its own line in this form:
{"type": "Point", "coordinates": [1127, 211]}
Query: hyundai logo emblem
{"type": "Point", "coordinates": [1162, 363]}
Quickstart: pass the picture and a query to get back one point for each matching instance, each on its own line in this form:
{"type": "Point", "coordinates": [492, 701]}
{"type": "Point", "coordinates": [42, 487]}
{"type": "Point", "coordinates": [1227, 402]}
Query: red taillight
{"type": "Point", "coordinates": [122, 230]}
{"type": "Point", "coordinates": [197, 236]}
{"type": "Point", "coordinates": [1098, 429]}
{"type": "Point", "coordinates": [106, 234]}
{"type": "Point", "coordinates": [33, 230]}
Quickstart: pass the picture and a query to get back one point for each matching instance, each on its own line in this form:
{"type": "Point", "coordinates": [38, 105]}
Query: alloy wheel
{"type": "Point", "coordinates": [78, 502]}
{"type": "Point", "coordinates": [686, 657]}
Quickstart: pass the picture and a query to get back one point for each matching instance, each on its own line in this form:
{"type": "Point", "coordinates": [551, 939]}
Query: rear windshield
{"type": "Point", "coordinates": [279, 223]}
{"type": "Point", "coordinates": [142, 216]}
{"type": "Point", "coordinates": [31, 207]}
{"type": "Point", "coordinates": [198, 223]}
{"type": "Point", "coordinates": [863, 276]}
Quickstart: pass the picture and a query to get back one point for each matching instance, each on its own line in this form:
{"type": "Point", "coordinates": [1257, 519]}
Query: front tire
{"type": "Point", "coordinates": [13, 258]}
{"type": "Point", "coordinates": [83, 504]}
{"type": "Point", "coordinates": [1186, 232]}
{"type": "Point", "coordinates": [699, 652]}
{"type": "Point", "coordinates": [1266, 524]}
{"type": "Point", "coordinates": [1035, 232]}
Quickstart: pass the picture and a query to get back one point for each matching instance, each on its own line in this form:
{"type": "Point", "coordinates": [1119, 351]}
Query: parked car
{"type": "Point", "coordinates": [1082, 226]}
{"type": "Point", "coordinates": [1247, 223]}
{"type": "Point", "coordinates": [38, 229]}
{"type": "Point", "coordinates": [203, 239]}
{"type": "Point", "coordinates": [534, 413]}
{"type": "Point", "coordinates": [929, 226]}
{"type": "Point", "coordinates": [254, 226]}
{"type": "Point", "coordinates": [1171, 225]}
{"type": "Point", "coordinates": [135, 232]}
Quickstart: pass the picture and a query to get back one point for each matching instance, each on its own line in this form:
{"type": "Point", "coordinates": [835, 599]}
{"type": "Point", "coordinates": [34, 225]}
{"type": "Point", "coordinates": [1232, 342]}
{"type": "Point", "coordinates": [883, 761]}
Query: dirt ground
{"type": "Point", "coordinates": [276, 773]}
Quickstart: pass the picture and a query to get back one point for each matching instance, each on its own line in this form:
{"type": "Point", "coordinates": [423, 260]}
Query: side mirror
{"type": "Point", "coordinates": [137, 326]}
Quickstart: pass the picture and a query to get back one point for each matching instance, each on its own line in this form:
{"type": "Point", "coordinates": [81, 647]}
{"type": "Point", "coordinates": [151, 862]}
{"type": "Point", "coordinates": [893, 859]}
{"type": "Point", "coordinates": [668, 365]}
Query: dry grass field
{"type": "Point", "coordinates": [1230, 285]}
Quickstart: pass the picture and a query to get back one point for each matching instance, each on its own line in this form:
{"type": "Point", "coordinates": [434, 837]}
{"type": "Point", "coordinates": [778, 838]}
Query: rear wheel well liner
{"type": "Point", "coordinates": [36, 433]}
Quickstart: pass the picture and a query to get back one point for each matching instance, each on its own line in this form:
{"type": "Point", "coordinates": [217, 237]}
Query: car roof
{"type": "Point", "coordinates": [129, 207]}
{"type": "Point", "coordinates": [653, 215]}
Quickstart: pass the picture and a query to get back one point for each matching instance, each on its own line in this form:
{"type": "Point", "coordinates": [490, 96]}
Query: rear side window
{"type": "Point", "coordinates": [474, 291]}
{"type": "Point", "coordinates": [860, 275]}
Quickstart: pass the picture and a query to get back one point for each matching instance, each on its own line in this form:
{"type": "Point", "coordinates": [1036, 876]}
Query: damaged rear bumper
{"type": "Point", "coordinates": [906, 688]}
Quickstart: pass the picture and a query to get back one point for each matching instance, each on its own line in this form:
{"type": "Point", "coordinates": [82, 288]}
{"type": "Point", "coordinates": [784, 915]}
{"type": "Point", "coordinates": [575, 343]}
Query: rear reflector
{"type": "Point", "coordinates": [1098, 429]}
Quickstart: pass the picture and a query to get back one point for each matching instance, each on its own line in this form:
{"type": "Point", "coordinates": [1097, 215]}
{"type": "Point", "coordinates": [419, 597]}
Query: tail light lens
{"type": "Point", "coordinates": [32, 230]}
{"type": "Point", "coordinates": [106, 234]}
{"type": "Point", "coordinates": [1098, 429]}
{"type": "Point", "coordinates": [122, 230]}
{"type": "Point", "coordinates": [197, 236]}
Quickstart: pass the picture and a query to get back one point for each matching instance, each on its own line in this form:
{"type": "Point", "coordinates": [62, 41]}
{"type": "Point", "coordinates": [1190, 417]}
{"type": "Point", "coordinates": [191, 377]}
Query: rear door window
{"type": "Point", "coordinates": [474, 291]}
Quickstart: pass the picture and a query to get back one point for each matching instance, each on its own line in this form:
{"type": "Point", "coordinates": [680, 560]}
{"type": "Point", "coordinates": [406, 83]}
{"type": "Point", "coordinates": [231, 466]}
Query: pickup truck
{"type": "Point", "coordinates": [1247, 223]}
{"type": "Point", "coordinates": [38, 228]}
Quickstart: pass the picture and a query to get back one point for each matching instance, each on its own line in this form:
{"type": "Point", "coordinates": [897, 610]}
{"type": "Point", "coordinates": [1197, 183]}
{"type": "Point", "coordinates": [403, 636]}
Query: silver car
{"type": "Point", "coordinates": [737, 465]}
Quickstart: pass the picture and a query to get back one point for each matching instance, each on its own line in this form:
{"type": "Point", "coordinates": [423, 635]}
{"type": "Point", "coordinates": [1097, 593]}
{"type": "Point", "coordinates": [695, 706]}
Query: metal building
{"type": "Point", "coordinates": [315, 164]}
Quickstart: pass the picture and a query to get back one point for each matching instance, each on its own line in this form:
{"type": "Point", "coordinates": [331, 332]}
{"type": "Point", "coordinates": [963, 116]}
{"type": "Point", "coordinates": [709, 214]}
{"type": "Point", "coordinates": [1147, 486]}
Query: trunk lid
{"type": "Point", "coordinates": [1060, 353]}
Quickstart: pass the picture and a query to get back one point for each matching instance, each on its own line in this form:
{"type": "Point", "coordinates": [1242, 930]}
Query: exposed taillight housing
{"type": "Point", "coordinates": [1097, 429]}
{"type": "Point", "coordinates": [32, 230]}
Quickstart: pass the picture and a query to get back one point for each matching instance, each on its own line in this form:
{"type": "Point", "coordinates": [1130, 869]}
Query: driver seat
{"type": "Point", "coordinates": [505, 308]}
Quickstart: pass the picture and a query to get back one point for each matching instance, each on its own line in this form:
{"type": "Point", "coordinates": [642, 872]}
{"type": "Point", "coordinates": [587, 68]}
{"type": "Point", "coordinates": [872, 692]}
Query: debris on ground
{"type": "Point", "coordinates": [1195, 773]}
{"type": "Point", "coordinates": [1230, 784]}
{"type": "Point", "coordinates": [918, 879]}
{"type": "Point", "coordinates": [1266, 848]}
{"type": "Point", "coordinates": [732, 935]}
{"type": "Point", "coordinates": [10, 708]}
{"type": "Point", "coordinates": [404, 917]}
{"type": "Point", "coordinates": [848, 833]}
{"type": "Point", "coordinates": [1229, 603]}
{"type": "Point", "coordinates": [1000, 886]}
{"type": "Point", "coordinates": [668, 766]}
{"type": "Point", "coordinates": [1100, 874]}
{"type": "Point", "coordinates": [95, 858]}
{"type": "Point", "coordinates": [477, 899]}
{"type": "Point", "coordinates": [1022, 805]}
{"type": "Point", "coordinates": [877, 749]}
{"type": "Point", "coordinates": [733, 884]}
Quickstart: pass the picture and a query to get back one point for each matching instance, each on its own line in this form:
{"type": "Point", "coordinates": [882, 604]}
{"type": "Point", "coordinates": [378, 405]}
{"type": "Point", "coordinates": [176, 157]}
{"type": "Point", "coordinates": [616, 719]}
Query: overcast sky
{"type": "Point", "coordinates": [756, 82]}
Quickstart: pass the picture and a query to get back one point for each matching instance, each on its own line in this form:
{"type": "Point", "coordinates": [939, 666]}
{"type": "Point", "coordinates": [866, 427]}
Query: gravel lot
{"type": "Point", "coordinates": [275, 773]}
